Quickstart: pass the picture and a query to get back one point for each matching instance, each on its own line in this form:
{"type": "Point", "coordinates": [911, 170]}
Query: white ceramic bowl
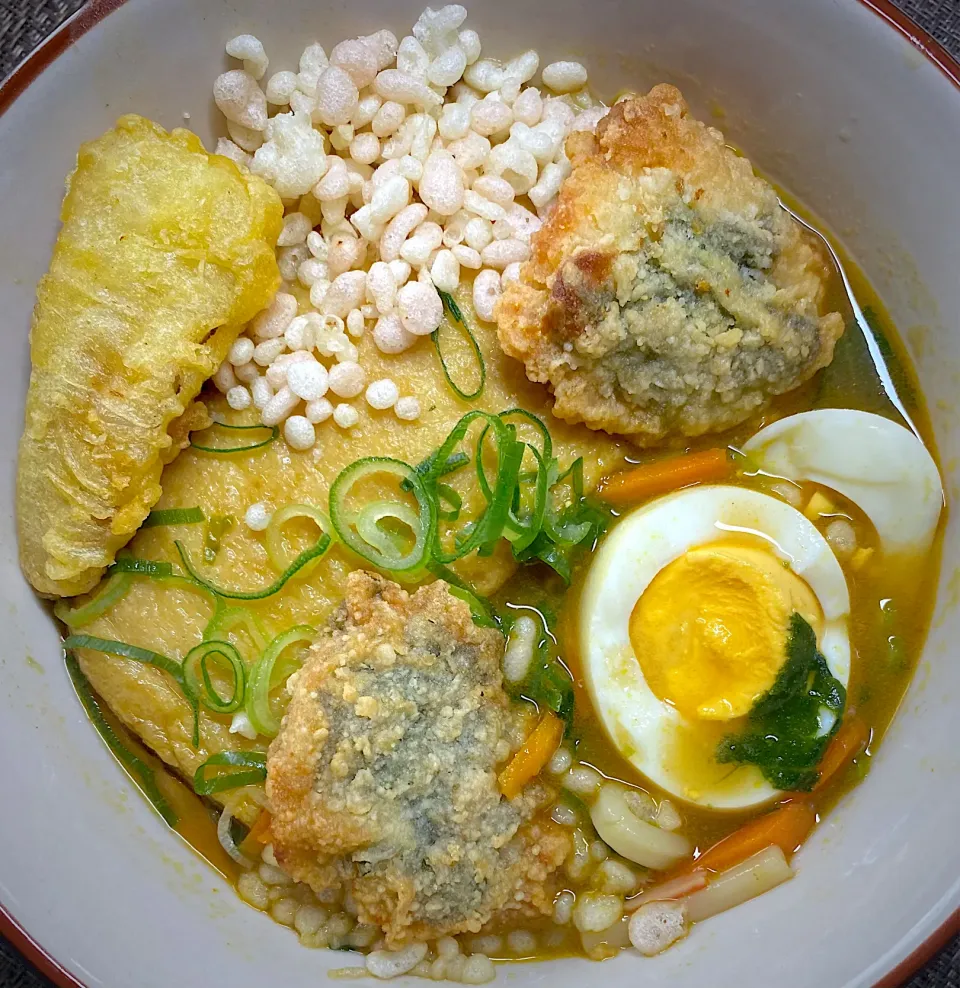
{"type": "Point", "coordinates": [837, 101]}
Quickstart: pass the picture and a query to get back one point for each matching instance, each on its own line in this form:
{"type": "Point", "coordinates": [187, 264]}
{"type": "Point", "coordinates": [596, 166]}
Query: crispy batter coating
{"type": "Point", "coordinates": [165, 252]}
{"type": "Point", "coordinates": [383, 775]}
{"type": "Point", "coordinates": [668, 292]}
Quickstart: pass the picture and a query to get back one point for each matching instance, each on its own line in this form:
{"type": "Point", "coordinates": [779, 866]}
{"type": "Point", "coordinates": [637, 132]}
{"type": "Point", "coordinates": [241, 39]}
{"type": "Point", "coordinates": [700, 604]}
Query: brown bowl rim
{"type": "Point", "coordinates": [88, 16]}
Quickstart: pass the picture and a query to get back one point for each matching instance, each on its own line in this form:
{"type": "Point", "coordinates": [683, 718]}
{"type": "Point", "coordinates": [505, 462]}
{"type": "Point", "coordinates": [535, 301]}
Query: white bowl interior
{"type": "Point", "coordinates": [825, 97]}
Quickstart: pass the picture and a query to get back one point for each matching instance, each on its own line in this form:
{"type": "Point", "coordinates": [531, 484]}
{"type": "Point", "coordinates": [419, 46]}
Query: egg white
{"type": "Point", "coordinates": [880, 466]}
{"type": "Point", "coordinates": [639, 724]}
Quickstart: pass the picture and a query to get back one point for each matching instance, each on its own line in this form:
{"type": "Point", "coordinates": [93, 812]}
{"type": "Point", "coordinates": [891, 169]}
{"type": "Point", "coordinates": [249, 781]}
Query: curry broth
{"type": "Point", "coordinates": [890, 610]}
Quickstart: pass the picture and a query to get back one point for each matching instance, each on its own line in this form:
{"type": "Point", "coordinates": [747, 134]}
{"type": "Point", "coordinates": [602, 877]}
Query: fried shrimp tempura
{"type": "Point", "coordinates": [165, 252]}
{"type": "Point", "coordinates": [383, 777]}
{"type": "Point", "coordinates": [668, 292]}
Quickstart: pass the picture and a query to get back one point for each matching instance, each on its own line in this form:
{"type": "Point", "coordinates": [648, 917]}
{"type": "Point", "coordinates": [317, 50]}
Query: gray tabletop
{"type": "Point", "coordinates": [25, 23]}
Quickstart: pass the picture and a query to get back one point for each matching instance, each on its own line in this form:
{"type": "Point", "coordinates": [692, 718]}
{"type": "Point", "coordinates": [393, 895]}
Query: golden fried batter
{"type": "Point", "coordinates": [383, 776]}
{"type": "Point", "coordinates": [668, 292]}
{"type": "Point", "coordinates": [165, 252]}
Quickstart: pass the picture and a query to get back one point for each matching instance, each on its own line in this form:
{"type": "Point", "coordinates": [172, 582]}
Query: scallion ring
{"type": "Point", "coordinates": [547, 450]}
{"type": "Point", "coordinates": [217, 773]}
{"type": "Point", "coordinates": [274, 537]}
{"type": "Point", "coordinates": [383, 553]}
{"type": "Point", "coordinates": [450, 305]}
{"type": "Point", "coordinates": [367, 522]}
{"type": "Point", "coordinates": [110, 593]}
{"type": "Point", "coordinates": [173, 516]}
{"type": "Point", "coordinates": [260, 680]}
{"type": "Point", "coordinates": [196, 675]}
{"type": "Point", "coordinates": [225, 619]}
{"type": "Point", "coordinates": [274, 433]}
{"type": "Point", "coordinates": [308, 555]}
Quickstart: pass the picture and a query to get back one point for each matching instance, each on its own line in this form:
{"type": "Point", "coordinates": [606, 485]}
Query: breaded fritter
{"type": "Point", "coordinates": [165, 252]}
{"type": "Point", "coordinates": [383, 776]}
{"type": "Point", "coordinates": [668, 292]}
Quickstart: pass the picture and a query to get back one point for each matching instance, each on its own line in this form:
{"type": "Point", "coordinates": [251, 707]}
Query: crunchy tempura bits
{"type": "Point", "coordinates": [407, 408]}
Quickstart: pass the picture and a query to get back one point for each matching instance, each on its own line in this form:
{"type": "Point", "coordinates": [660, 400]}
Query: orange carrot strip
{"type": "Point", "coordinates": [787, 827]}
{"type": "Point", "coordinates": [535, 753]}
{"type": "Point", "coordinates": [258, 835]}
{"type": "Point", "coordinates": [673, 888]}
{"type": "Point", "coordinates": [662, 476]}
{"type": "Point", "coordinates": [846, 744]}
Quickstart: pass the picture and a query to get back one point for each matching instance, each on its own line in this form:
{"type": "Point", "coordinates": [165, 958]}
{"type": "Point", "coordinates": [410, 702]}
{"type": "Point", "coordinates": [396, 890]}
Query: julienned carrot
{"type": "Point", "coordinates": [673, 888]}
{"type": "Point", "coordinates": [786, 827]}
{"type": "Point", "coordinates": [847, 743]}
{"type": "Point", "coordinates": [258, 835]}
{"type": "Point", "coordinates": [534, 754]}
{"type": "Point", "coordinates": [662, 476]}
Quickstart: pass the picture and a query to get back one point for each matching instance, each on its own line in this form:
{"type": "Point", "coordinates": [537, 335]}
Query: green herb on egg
{"type": "Point", "coordinates": [783, 737]}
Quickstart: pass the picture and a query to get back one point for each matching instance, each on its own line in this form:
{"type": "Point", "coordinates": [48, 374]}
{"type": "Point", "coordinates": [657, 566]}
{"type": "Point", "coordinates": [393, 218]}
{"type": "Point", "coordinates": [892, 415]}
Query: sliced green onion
{"type": "Point", "coordinates": [450, 304]}
{"type": "Point", "coordinates": [217, 528]}
{"type": "Point", "coordinates": [446, 493]}
{"type": "Point", "coordinates": [126, 651]}
{"type": "Point", "coordinates": [453, 463]}
{"type": "Point", "coordinates": [575, 473]}
{"type": "Point", "coordinates": [482, 611]}
{"type": "Point", "coordinates": [225, 619]}
{"type": "Point", "coordinates": [279, 518]}
{"type": "Point", "coordinates": [488, 528]}
{"type": "Point", "coordinates": [110, 593]}
{"type": "Point", "coordinates": [523, 533]}
{"type": "Point", "coordinates": [261, 678]}
{"type": "Point", "coordinates": [141, 773]}
{"type": "Point", "coordinates": [217, 773]}
{"type": "Point", "coordinates": [274, 433]}
{"type": "Point", "coordinates": [148, 657]}
{"type": "Point", "coordinates": [173, 516]}
{"type": "Point", "coordinates": [383, 552]}
{"type": "Point", "coordinates": [314, 552]}
{"type": "Point", "coordinates": [546, 450]}
{"type": "Point", "coordinates": [144, 567]}
{"type": "Point", "coordinates": [367, 522]}
{"type": "Point", "coordinates": [196, 675]}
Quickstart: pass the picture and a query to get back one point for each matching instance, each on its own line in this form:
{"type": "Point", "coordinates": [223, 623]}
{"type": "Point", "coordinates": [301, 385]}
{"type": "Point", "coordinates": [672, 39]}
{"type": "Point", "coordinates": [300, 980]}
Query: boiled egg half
{"type": "Point", "coordinates": [684, 622]}
{"type": "Point", "coordinates": [877, 464]}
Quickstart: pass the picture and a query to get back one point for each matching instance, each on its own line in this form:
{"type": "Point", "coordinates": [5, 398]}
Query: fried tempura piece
{"type": "Point", "coordinates": [383, 776]}
{"type": "Point", "coordinates": [668, 292]}
{"type": "Point", "coordinates": [165, 252]}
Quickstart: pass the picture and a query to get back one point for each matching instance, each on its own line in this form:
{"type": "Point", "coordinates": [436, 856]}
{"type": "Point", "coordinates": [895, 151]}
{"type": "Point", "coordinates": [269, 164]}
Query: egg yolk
{"type": "Point", "coordinates": [710, 631]}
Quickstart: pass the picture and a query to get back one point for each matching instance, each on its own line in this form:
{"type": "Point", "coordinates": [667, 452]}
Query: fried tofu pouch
{"type": "Point", "coordinates": [667, 293]}
{"type": "Point", "coordinates": [170, 618]}
{"type": "Point", "coordinates": [164, 254]}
